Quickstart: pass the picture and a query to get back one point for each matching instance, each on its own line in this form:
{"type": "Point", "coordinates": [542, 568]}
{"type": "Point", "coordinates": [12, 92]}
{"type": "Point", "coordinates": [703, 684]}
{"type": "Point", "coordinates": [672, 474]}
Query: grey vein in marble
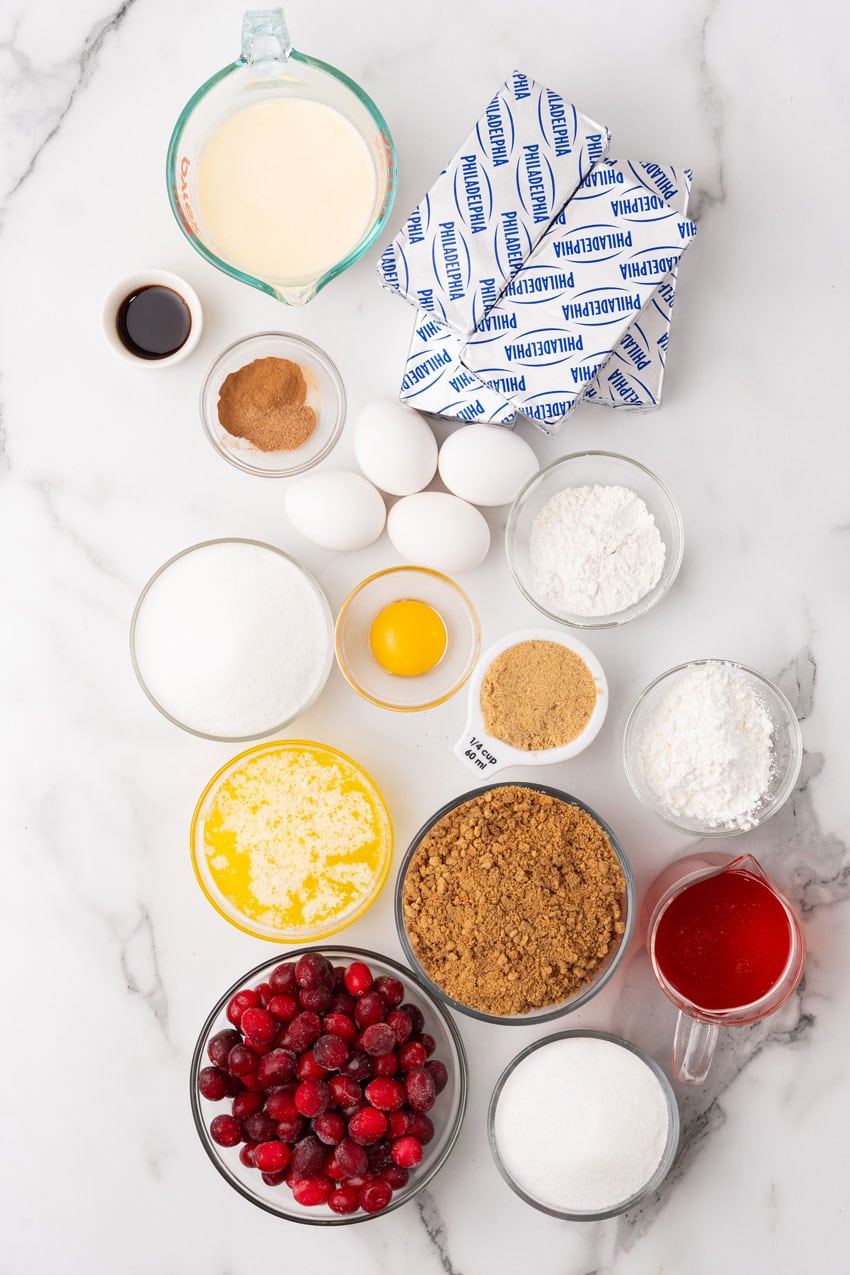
{"type": "Point", "coordinates": [140, 968]}
{"type": "Point", "coordinates": [435, 1228]}
{"type": "Point", "coordinates": [708, 195]}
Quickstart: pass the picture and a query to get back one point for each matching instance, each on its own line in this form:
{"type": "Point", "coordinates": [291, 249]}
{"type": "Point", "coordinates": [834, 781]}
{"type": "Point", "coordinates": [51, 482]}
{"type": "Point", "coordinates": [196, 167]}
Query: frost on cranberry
{"type": "Point", "coordinates": [313, 970]}
{"type": "Point", "coordinates": [212, 1084]}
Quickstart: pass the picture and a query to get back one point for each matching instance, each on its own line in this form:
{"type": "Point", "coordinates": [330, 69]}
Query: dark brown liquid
{"type": "Point", "coordinates": [153, 322]}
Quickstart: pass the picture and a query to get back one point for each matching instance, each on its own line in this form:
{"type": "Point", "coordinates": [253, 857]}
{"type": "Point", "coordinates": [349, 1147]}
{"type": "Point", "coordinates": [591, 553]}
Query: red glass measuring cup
{"type": "Point", "coordinates": [726, 948]}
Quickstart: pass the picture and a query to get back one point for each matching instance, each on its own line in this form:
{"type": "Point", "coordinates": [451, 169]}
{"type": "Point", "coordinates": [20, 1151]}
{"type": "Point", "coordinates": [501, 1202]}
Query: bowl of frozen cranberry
{"type": "Point", "coordinates": [329, 1087]}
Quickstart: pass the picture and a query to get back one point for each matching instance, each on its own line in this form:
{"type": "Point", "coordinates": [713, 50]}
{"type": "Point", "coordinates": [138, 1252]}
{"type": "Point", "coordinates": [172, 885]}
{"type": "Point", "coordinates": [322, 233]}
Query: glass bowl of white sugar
{"type": "Point", "coordinates": [232, 639]}
{"type": "Point", "coordinates": [594, 540]}
{"type": "Point", "coordinates": [583, 1125]}
{"type": "Point", "coordinates": [712, 748]}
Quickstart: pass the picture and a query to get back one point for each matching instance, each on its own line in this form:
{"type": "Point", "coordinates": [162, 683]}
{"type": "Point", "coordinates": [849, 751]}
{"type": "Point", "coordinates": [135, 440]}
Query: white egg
{"type": "Point", "coordinates": [395, 447]}
{"type": "Point", "coordinates": [434, 529]}
{"type": "Point", "coordinates": [486, 464]}
{"type": "Point", "coordinates": [336, 509]}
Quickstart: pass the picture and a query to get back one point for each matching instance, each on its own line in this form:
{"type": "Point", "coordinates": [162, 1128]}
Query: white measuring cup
{"type": "Point", "coordinates": [485, 754]}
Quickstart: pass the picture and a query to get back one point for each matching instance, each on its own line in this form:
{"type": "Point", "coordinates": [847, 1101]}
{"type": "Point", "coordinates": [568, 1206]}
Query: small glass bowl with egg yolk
{"type": "Point", "coordinates": [407, 638]}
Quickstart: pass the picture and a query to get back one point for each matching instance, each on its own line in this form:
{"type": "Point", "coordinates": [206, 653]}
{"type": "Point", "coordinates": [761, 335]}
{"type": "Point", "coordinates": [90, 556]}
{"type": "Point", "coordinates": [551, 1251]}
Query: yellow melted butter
{"type": "Point", "coordinates": [294, 837]}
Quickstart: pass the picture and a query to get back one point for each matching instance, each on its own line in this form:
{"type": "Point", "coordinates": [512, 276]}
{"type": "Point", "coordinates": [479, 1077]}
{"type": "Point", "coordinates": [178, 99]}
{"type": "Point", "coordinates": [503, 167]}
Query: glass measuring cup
{"type": "Point", "coordinates": [697, 1026]}
{"type": "Point", "coordinates": [269, 68]}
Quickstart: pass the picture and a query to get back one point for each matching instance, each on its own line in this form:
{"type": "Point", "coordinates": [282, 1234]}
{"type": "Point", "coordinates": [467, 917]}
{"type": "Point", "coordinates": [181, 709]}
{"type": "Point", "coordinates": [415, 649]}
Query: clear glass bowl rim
{"type": "Point", "coordinates": [667, 1158]}
{"type": "Point", "coordinates": [331, 368]}
{"type": "Point", "coordinates": [377, 575]}
{"type": "Point", "coordinates": [784, 791]}
{"type": "Point", "coordinates": [646, 603]}
{"type": "Point", "coordinates": [331, 951]}
{"type": "Point", "coordinates": [329, 630]}
{"type": "Point", "coordinates": [335, 926]}
{"type": "Point", "coordinates": [559, 1011]}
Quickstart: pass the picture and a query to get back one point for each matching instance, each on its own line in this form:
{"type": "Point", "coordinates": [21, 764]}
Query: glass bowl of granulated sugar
{"type": "Point", "coordinates": [594, 540]}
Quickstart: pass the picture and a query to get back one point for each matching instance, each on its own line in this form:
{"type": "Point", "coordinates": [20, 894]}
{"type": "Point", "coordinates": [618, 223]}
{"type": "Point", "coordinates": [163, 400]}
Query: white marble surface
{"type": "Point", "coordinates": [110, 955]}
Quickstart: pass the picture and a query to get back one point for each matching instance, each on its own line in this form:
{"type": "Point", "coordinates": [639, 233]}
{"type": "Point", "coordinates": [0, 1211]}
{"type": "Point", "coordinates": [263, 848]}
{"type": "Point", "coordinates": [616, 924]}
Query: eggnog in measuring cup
{"type": "Point", "coordinates": [287, 188]}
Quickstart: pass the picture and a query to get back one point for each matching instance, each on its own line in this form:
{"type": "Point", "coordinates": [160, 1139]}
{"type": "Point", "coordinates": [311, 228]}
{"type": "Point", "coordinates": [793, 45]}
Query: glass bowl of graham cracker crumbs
{"type": "Point", "coordinates": [515, 903]}
{"type": "Point", "coordinates": [273, 404]}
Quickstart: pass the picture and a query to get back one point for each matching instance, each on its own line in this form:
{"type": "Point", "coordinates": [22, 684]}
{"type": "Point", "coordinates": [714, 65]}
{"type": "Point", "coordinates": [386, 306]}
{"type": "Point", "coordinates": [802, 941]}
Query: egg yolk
{"type": "Point", "coordinates": [408, 638]}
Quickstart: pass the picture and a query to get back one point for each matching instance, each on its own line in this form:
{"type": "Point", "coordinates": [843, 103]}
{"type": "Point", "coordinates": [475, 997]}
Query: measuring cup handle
{"type": "Point", "coordinates": [693, 1049]}
{"type": "Point", "coordinates": [265, 40]}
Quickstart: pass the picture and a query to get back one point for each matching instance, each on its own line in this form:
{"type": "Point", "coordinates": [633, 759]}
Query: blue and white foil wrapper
{"type": "Point", "coordinates": [492, 203]}
{"type": "Point", "coordinates": [580, 290]}
{"type": "Point", "coordinates": [633, 375]}
{"type": "Point", "coordinates": [436, 381]}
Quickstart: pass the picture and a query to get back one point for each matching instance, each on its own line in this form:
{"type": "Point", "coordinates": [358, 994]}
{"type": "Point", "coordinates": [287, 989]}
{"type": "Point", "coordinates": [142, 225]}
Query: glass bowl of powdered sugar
{"type": "Point", "coordinates": [594, 540]}
{"type": "Point", "coordinates": [712, 748]}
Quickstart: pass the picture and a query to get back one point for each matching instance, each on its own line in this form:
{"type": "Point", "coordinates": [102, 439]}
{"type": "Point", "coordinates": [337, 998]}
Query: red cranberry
{"type": "Point", "coordinates": [332, 1170]}
{"type": "Point", "coordinates": [242, 1061]}
{"type": "Point", "coordinates": [340, 1025]}
{"type": "Point", "coordinates": [377, 1039]}
{"type": "Point", "coordinates": [386, 1064]}
{"type": "Point", "coordinates": [281, 1105]}
{"type": "Point", "coordinates": [375, 1196]}
{"type": "Point", "coordinates": [345, 1199]}
{"type": "Point", "coordinates": [308, 1158]}
{"type": "Point", "coordinates": [246, 1154]}
{"type": "Point", "coordinates": [272, 1157]}
{"type": "Point", "coordinates": [401, 1025]}
{"type": "Point", "coordinates": [407, 1151]}
{"type": "Point", "coordinates": [344, 1003]}
{"type": "Point", "coordinates": [290, 1130]}
{"type": "Point", "coordinates": [367, 1126]}
{"type": "Point", "coordinates": [344, 1091]}
{"type": "Point", "coordinates": [438, 1072]}
{"type": "Point", "coordinates": [303, 1031]}
{"type": "Point", "coordinates": [276, 1068]}
{"type": "Point", "coordinates": [274, 1179]}
{"type": "Point", "coordinates": [282, 977]}
{"type": "Point", "coordinates": [312, 1097]}
{"type": "Point", "coordinates": [380, 1155]}
{"type": "Point", "coordinates": [265, 993]}
{"type": "Point", "coordinates": [318, 999]}
{"type": "Point", "coordinates": [428, 1043]}
{"type": "Point", "coordinates": [308, 1068]}
{"type": "Point", "coordinates": [220, 1045]}
{"type": "Point", "coordinates": [247, 1104]}
{"type": "Point", "coordinates": [329, 1128]}
{"type": "Point", "coordinates": [250, 1082]}
{"type": "Point", "coordinates": [260, 1127]}
{"type": "Point", "coordinates": [385, 1094]}
{"type": "Point", "coordinates": [314, 970]}
{"type": "Point", "coordinates": [351, 1158]}
{"type": "Point", "coordinates": [226, 1131]}
{"type": "Point", "coordinates": [237, 1005]}
{"type": "Point", "coordinates": [330, 1052]}
{"type": "Point", "coordinates": [412, 1055]}
{"type": "Point", "coordinates": [234, 1085]}
{"type": "Point", "coordinates": [395, 1175]}
{"type": "Point", "coordinates": [313, 1191]}
{"type": "Point", "coordinates": [358, 1065]}
{"type": "Point", "coordinates": [283, 1007]}
{"type": "Point", "coordinates": [390, 989]}
{"type": "Point", "coordinates": [358, 978]}
{"type": "Point", "coordinates": [421, 1127]}
{"type": "Point", "coordinates": [416, 1017]}
{"type": "Point", "coordinates": [398, 1123]}
{"type": "Point", "coordinates": [212, 1083]}
{"type": "Point", "coordinates": [369, 1009]}
{"type": "Point", "coordinates": [419, 1088]}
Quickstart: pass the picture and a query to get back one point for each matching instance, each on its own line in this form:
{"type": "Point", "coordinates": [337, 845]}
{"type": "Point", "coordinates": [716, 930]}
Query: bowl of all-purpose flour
{"type": "Point", "coordinates": [583, 1125]}
{"type": "Point", "coordinates": [594, 540]}
{"type": "Point", "coordinates": [232, 639]}
{"type": "Point", "coordinates": [712, 748]}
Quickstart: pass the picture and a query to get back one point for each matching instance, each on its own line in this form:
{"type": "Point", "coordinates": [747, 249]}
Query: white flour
{"type": "Point", "coordinates": [595, 550]}
{"type": "Point", "coordinates": [706, 749]}
{"type": "Point", "coordinates": [581, 1124]}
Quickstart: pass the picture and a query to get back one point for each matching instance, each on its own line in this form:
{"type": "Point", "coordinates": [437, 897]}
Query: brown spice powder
{"type": "Point", "coordinates": [264, 402]}
{"type": "Point", "coordinates": [513, 901]}
{"type": "Point", "coordinates": [537, 695]}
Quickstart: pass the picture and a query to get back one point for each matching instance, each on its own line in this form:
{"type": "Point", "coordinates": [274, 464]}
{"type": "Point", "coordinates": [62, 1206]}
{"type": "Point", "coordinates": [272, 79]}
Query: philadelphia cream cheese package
{"type": "Point", "coordinates": [435, 381]}
{"type": "Point", "coordinates": [584, 285]}
{"type": "Point", "coordinates": [492, 203]}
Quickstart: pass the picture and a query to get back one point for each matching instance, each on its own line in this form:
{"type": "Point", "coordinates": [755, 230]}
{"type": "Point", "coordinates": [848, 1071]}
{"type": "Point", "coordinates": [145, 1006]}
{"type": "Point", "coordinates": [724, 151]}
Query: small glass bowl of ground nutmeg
{"type": "Point", "coordinates": [273, 404]}
{"type": "Point", "coordinates": [515, 903]}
